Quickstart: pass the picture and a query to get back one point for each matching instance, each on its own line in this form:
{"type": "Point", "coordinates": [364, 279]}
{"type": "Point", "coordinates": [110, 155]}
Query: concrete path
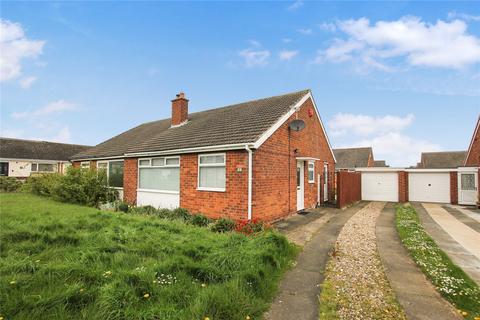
{"type": "Point", "coordinates": [463, 218]}
{"type": "Point", "coordinates": [469, 211]}
{"type": "Point", "coordinates": [300, 287]}
{"type": "Point", "coordinates": [414, 291]}
{"type": "Point", "coordinates": [459, 255]}
{"type": "Point", "coordinates": [463, 234]}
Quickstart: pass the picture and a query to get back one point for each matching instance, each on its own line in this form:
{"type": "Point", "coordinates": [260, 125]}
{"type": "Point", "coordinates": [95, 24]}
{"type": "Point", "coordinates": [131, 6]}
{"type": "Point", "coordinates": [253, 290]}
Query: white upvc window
{"type": "Point", "coordinates": [212, 172]}
{"type": "Point", "coordinates": [42, 167]}
{"type": "Point", "coordinates": [160, 174]}
{"type": "Point", "coordinates": [34, 167]}
{"type": "Point", "coordinates": [311, 171]}
{"type": "Point", "coordinates": [85, 164]}
{"type": "Point", "coordinates": [114, 170]}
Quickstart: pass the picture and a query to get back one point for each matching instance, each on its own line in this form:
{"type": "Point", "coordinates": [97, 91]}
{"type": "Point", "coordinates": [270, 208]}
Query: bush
{"type": "Point", "coordinates": [250, 226]}
{"type": "Point", "coordinates": [144, 210]}
{"type": "Point", "coordinates": [77, 186]}
{"type": "Point", "coordinates": [223, 225]}
{"type": "Point", "coordinates": [199, 220]}
{"type": "Point", "coordinates": [9, 184]}
{"type": "Point", "coordinates": [122, 206]}
{"type": "Point", "coordinates": [182, 213]}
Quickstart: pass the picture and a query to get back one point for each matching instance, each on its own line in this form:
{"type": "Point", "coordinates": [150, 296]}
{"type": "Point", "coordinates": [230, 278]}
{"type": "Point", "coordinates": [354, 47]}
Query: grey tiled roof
{"type": "Point", "coordinates": [438, 160]}
{"type": "Point", "coordinates": [349, 158]}
{"type": "Point", "coordinates": [42, 150]}
{"type": "Point", "coordinates": [379, 163]}
{"type": "Point", "coordinates": [233, 124]}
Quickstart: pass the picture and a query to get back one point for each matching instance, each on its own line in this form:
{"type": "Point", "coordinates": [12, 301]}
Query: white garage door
{"type": "Point", "coordinates": [429, 187]}
{"type": "Point", "coordinates": [380, 186]}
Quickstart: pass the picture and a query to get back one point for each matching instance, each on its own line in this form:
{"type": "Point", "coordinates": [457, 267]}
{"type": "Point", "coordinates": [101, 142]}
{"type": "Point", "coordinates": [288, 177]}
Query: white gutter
{"type": "Point", "coordinates": [187, 150]}
{"type": "Point", "coordinates": [250, 173]}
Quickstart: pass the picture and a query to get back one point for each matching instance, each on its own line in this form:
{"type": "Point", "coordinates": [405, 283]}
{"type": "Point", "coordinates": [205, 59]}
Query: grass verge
{"type": "Point", "coordinates": [63, 261]}
{"type": "Point", "coordinates": [450, 280]}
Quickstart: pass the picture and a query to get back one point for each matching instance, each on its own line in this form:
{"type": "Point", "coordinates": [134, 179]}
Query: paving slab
{"type": "Point", "coordinates": [459, 255]}
{"type": "Point", "coordinates": [300, 288]}
{"type": "Point", "coordinates": [470, 211]}
{"type": "Point", "coordinates": [414, 291]}
{"type": "Point", "coordinates": [463, 218]}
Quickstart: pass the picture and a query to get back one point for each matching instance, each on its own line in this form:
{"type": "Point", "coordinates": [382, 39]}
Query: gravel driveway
{"type": "Point", "coordinates": [355, 274]}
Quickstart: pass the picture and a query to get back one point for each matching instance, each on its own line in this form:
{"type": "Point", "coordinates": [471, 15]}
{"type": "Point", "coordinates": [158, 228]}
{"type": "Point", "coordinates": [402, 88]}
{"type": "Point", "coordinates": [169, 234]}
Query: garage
{"type": "Point", "coordinates": [380, 186]}
{"type": "Point", "coordinates": [429, 187]}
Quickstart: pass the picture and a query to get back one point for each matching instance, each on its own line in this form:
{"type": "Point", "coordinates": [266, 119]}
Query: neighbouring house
{"type": "Point", "coordinates": [261, 159]}
{"type": "Point", "coordinates": [442, 160]}
{"type": "Point", "coordinates": [380, 164]}
{"type": "Point", "coordinates": [351, 158]}
{"type": "Point", "coordinates": [21, 158]}
{"type": "Point", "coordinates": [473, 153]}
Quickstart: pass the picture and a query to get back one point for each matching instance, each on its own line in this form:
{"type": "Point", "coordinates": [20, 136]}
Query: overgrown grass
{"type": "Point", "coordinates": [62, 261]}
{"type": "Point", "coordinates": [453, 284]}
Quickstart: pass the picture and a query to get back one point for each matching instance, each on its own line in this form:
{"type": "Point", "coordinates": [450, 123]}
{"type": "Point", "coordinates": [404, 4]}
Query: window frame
{"type": "Point", "coordinates": [107, 169]}
{"type": "Point", "coordinates": [150, 165]}
{"type": "Point", "coordinates": [218, 165]}
{"type": "Point", "coordinates": [82, 163]}
{"type": "Point", "coordinates": [310, 162]}
{"type": "Point", "coordinates": [37, 167]}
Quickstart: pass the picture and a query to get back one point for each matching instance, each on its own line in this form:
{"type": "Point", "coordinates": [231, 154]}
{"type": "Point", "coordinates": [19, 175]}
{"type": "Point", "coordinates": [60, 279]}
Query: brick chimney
{"type": "Point", "coordinates": [179, 109]}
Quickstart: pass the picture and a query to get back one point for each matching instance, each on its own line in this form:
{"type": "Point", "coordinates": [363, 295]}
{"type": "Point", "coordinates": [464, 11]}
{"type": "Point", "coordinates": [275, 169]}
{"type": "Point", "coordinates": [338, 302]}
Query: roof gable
{"type": "Point", "coordinates": [473, 142]}
{"type": "Point", "coordinates": [234, 124]}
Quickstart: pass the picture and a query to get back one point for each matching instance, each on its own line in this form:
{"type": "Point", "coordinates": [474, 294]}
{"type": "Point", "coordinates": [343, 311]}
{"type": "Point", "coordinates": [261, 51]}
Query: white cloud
{"type": "Point", "coordinates": [63, 135]}
{"type": "Point", "coordinates": [443, 44]}
{"type": "Point", "coordinates": [463, 16]}
{"type": "Point", "coordinates": [305, 31]}
{"type": "Point", "coordinates": [328, 26]}
{"type": "Point", "coordinates": [358, 124]}
{"type": "Point", "coordinates": [254, 43]}
{"type": "Point", "coordinates": [295, 5]}
{"type": "Point", "coordinates": [27, 82]}
{"type": "Point", "coordinates": [254, 58]}
{"type": "Point", "coordinates": [14, 47]}
{"type": "Point", "coordinates": [53, 107]}
{"type": "Point", "coordinates": [286, 40]}
{"type": "Point", "coordinates": [287, 54]}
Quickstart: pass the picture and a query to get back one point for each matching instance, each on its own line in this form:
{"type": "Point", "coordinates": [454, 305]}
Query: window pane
{"type": "Point", "coordinates": [85, 165]}
{"type": "Point", "coordinates": [212, 177]}
{"type": "Point", "coordinates": [172, 161]}
{"type": "Point", "coordinates": [158, 162]}
{"type": "Point", "coordinates": [468, 181]}
{"type": "Point", "coordinates": [45, 167]}
{"type": "Point", "coordinates": [160, 179]}
{"type": "Point", "coordinates": [145, 162]}
{"type": "Point", "coordinates": [102, 165]}
{"type": "Point", "coordinates": [212, 159]}
{"type": "Point", "coordinates": [115, 174]}
{"type": "Point", "coordinates": [34, 167]}
{"type": "Point", "coordinates": [310, 175]}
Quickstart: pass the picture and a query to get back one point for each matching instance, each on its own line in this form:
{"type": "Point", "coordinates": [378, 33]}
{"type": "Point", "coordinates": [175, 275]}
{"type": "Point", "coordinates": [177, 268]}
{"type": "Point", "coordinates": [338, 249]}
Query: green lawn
{"type": "Point", "coordinates": [62, 261]}
{"type": "Point", "coordinates": [448, 278]}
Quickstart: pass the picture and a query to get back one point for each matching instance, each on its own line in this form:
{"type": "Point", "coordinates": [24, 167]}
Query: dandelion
{"type": "Point", "coordinates": [146, 295]}
{"type": "Point", "coordinates": [1, 318]}
{"type": "Point", "coordinates": [247, 318]}
{"type": "Point", "coordinates": [464, 313]}
{"type": "Point", "coordinates": [206, 318]}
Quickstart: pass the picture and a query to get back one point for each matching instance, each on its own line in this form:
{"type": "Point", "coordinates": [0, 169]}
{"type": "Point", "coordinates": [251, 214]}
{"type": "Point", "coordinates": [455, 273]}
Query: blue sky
{"type": "Point", "coordinates": [401, 76]}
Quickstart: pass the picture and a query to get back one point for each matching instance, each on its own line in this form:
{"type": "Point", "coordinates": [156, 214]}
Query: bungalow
{"type": "Point", "coordinates": [21, 158]}
{"type": "Point", "coordinates": [441, 160]}
{"type": "Point", "coordinates": [262, 159]}
{"type": "Point", "coordinates": [351, 158]}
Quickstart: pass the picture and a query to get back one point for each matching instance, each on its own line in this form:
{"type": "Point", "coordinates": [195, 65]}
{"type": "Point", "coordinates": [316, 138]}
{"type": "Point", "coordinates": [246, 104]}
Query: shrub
{"type": "Point", "coordinates": [144, 210]}
{"type": "Point", "coordinates": [182, 213]}
{"type": "Point", "coordinates": [200, 220]}
{"type": "Point", "coordinates": [223, 225]}
{"type": "Point", "coordinates": [42, 185]}
{"type": "Point", "coordinates": [9, 184]}
{"type": "Point", "coordinates": [122, 206]}
{"type": "Point", "coordinates": [250, 226]}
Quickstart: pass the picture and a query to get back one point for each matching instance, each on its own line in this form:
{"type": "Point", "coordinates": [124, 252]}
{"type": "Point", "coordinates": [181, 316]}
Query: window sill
{"type": "Point", "coordinates": [158, 191]}
{"type": "Point", "coordinates": [312, 182]}
{"type": "Point", "coordinates": [211, 189]}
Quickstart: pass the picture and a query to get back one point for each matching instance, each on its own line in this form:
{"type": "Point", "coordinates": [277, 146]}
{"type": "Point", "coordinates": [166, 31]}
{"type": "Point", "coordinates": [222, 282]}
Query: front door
{"type": "Point", "coordinates": [325, 182]}
{"type": "Point", "coordinates": [300, 186]}
{"type": "Point", "coordinates": [468, 186]}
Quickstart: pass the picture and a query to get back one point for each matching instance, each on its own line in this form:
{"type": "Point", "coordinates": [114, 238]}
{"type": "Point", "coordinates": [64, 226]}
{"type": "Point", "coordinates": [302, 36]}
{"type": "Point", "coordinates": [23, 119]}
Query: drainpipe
{"type": "Point", "coordinates": [250, 174]}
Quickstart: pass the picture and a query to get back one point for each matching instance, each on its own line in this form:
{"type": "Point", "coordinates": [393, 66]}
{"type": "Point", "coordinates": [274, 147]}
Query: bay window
{"type": "Point", "coordinates": [211, 172]}
{"type": "Point", "coordinates": [159, 174]}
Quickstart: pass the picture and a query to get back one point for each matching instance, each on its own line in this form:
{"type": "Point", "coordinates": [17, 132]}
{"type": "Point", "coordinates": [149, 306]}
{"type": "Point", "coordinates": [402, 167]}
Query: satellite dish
{"type": "Point", "coordinates": [297, 125]}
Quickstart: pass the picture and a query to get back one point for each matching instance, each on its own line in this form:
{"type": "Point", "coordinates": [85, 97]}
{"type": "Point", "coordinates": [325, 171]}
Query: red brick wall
{"type": "Point", "coordinates": [130, 180]}
{"type": "Point", "coordinates": [179, 111]}
{"type": "Point", "coordinates": [76, 164]}
{"type": "Point", "coordinates": [371, 161]}
{"type": "Point", "coordinates": [271, 168]}
{"type": "Point", "coordinates": [453, 187]}
{"type": "Point", "coordinates": [231, 203]}
{"type": "Point", "coordinates": [474, 152]}
{"type": "Point", "coordinates": [402, 186]}
{"type": "Point", "coordinates": [349, 188]}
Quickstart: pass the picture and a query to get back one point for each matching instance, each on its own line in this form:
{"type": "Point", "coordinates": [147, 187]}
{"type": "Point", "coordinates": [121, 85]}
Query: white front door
{"type": "Point", "coordinates": [300, 186]}
{"type": "Point", "coordinates": [467, 187]}
{"type": "Point", "coordinates": [325, 182]}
